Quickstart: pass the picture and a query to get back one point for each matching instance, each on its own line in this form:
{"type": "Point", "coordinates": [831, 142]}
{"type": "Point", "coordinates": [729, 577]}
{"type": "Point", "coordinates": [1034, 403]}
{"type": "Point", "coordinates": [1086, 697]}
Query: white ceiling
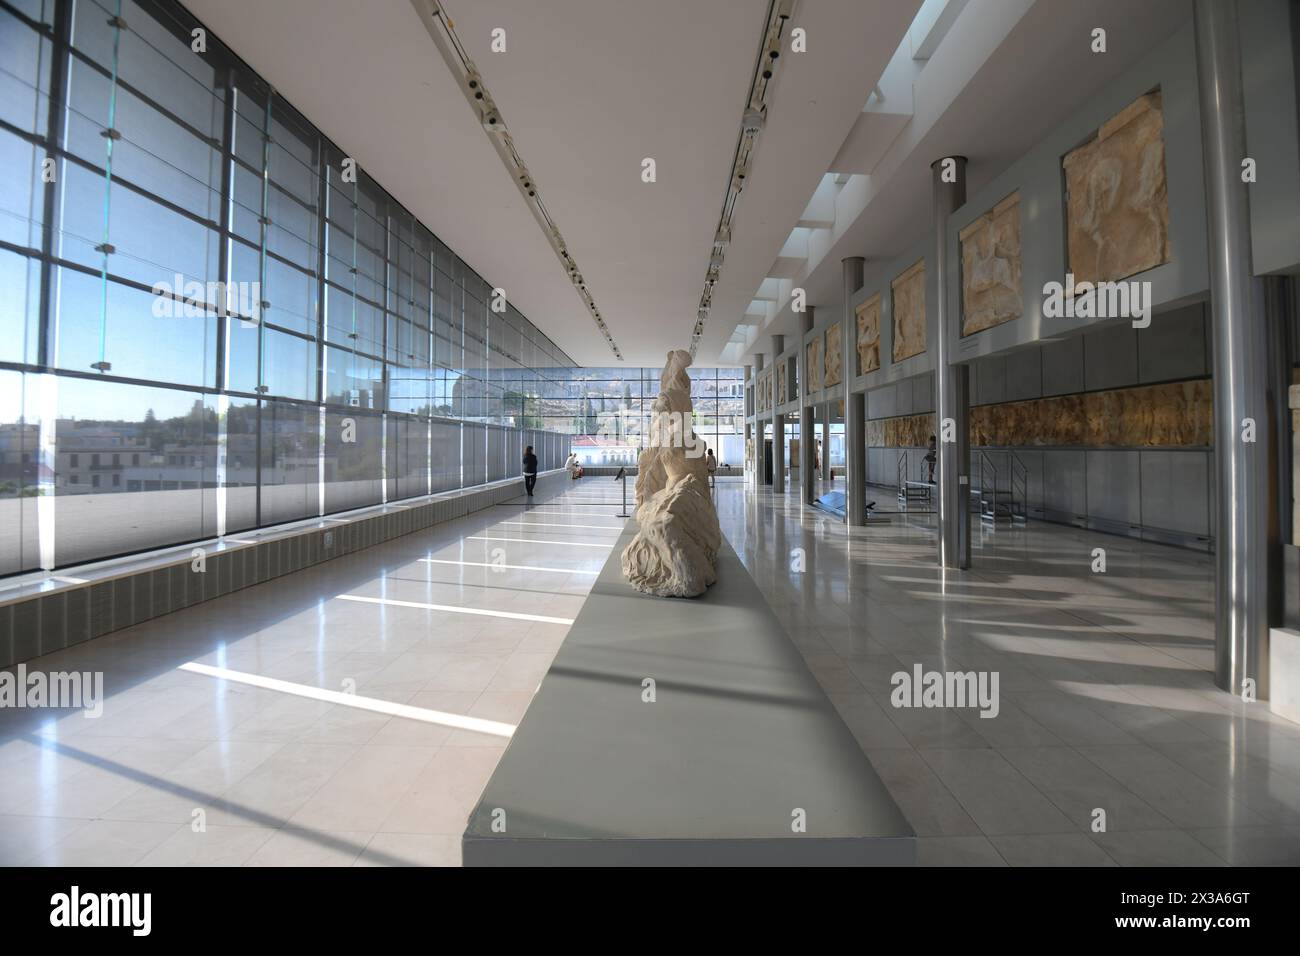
{"type": "Point", "coordinates": [588, 89]}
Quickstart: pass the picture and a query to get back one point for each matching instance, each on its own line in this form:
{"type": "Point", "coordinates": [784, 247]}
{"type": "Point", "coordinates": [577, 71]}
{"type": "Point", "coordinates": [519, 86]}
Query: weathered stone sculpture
{"type": "Point", "coordinates": [909, 312]}
{"type": "Point", "coordinates": [868, 316]}
{"type": "Point", "coordinates": [814, 365]}
{"type": "Point", "coordinates": [990, 267]}
{"type": "Point", "coordinates": [675, 550]}
{"type": "Point", "coordinates": [834, 358]}
{"type": "Point", "coordinates": [1117, 217]}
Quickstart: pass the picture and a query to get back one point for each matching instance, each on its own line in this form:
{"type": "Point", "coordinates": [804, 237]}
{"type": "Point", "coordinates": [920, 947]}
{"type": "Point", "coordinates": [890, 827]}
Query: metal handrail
{"type": "Point", "coordinates": [987, 467]}
{"type": "Point", "coordinates": [1019, 487]}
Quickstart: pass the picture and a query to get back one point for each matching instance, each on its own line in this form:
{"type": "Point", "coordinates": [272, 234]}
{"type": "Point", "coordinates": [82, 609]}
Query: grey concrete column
{"type": "Point", "coordinates": [759, 422]}
{"type": "Point", "coordinates": [826, 440]}
{"type": "Point", "coordinates": [749, 428]}
{"type": "Point", "coordinates": [807, 429]}
{"type": "Point", "coordinates": [778, 454]}
{"type": "Point", "coordinates": [855, 409]}
{"type": "Point", "coordinates": [1240, 363]}
{"type": "Point", "coordinates": [951, 382]}
{"type": "Point", "coordinates": [778, 420]}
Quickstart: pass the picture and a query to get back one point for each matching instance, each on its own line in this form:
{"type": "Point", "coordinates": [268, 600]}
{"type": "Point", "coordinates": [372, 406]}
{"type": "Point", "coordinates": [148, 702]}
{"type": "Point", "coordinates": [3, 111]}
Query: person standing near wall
{"type": "Point", "coordinates": [711, 463]}
{"type": "Point", "coordinates": [530, 470]}
{"type": "Point", "coordinates": [573, 466]}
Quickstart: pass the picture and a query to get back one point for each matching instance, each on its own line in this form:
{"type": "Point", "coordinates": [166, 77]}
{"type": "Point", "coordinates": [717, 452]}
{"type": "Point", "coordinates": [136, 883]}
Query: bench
{"type": "Point", "coordinates": [739, 744]}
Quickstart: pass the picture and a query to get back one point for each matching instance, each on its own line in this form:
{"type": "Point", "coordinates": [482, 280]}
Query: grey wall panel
{"type": "Point", "coordinates": [1175, 491]}
{"type": "Point", "coordinates": [882, 402]}
{"type": "Point", "coordinates": [1173, 346]}
{"type": "Point", "coordinates": [514, 457]}
{"type": "Point", "coordinates": [903, 404]}
{"type": "Point", "coordinates": [876, 468]}
{"type": "Point", "coordinates": [1024, 375]}
{"type": "Point", "coordinates": [1062, 366]}
{"type": "Point", "coordinates": [1110, 357]}
{"type": "Point", "coordinates": [496, 453]}
{"type": "Point", "coordinates": [1268, 31]}
{"type": "Point", "coordinates": [992, 383]}
{"type": "Point", "coordinates": [446, 456]}
{"type": "Point", "coordinates": [1114, 483]}
{"type": "Point", "coordinates": [1064, 483]}
{"type": "Point", "coordinates": [473, 455]}
{"type": "Point", "coordinates": [923, 393]}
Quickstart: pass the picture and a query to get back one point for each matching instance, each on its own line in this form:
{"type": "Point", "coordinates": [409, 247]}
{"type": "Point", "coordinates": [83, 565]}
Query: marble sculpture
{"type": "Point", "coordinates": [674, 552]}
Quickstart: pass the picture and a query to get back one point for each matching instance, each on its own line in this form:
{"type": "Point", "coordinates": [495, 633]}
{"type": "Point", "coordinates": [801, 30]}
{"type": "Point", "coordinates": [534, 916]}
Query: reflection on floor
{"type": "Point", "coordinates": [1107, 698]}
{"type": "Point", "coordinates": [348, 714]}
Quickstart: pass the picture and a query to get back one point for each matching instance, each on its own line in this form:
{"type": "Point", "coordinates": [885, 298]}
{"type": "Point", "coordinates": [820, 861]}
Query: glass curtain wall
{"type": "Point", "coordinates": [212, 320]}
{"type": "Point", "coordinates": [607, 412]}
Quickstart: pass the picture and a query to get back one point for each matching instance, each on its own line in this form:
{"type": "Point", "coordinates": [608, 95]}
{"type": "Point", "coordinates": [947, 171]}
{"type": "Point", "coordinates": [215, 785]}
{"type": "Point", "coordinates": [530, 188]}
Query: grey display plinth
{"type": "Point", "coordinates": [739, 740]}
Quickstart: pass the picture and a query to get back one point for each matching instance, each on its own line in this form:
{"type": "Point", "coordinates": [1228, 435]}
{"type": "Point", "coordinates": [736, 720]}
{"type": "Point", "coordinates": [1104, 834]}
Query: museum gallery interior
{"type": "Point", "coordinates": [629, 433]}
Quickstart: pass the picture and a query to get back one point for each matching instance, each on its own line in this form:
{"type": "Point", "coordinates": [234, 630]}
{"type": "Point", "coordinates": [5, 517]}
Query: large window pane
{"type": "Point", "coordinates": [144, 336]}
{"type": "Point", "coordinates": [290, 461]}
{"type": "Point", "coordinates": [353, 459]}
{"type": "Point", "coordinates": [158, 398]}
{"type": "Point", "coordinates": [136, 469]}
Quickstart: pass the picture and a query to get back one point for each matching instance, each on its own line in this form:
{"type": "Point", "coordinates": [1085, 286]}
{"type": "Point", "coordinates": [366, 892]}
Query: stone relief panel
{"type": "Point", "coordinates": [814, 365]}
{"type": "Point", "coordinates": [782, 383]}
{"type": "Point", "coordinates": [1117, 207]}
{"type": "Point", "coordinates": [906, 431]}
{"type": "Point", "coordinates": [834, 357]}
{"type": "Point", "coordinates": [990, 268]}
{"type": "Point", "coordinates": [868, 334]}
{"type": "Point", "coordinates": [909, 312]}
{"type": "Point", "coordinates": [1173, 415]}
{"type": "Point", "coordinates": [1177, 414]}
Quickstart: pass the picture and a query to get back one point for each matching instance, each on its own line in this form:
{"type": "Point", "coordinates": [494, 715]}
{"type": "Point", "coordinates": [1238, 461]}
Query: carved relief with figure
{"type": "Point", "coordinates": [1117, 211]}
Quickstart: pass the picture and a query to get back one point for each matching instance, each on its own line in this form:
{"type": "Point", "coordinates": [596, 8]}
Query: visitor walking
{"type": "Point", "coordinates": [530, 470]}
{"type": "Point", "coordinates": [711, 463]}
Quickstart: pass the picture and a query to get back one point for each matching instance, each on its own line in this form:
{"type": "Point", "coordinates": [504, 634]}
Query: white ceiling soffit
{"type": "Point", "coordinates": [588, 90]}
{"type": "Point", "coordinates": [1004, 73]}
{"type": "Point", "coordinates": [818, 98]}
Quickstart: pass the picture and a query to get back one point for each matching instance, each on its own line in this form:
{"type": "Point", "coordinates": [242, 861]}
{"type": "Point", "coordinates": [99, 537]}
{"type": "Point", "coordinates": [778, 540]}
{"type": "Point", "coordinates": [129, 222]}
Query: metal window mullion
{"type": "Point", "coordinates": [264, 233]}
{"type": "Point", "coordinates": [384, 382]}
{"type": "Point", "coordinates": [322, 253]}
{"type": "Point", "coordinates": [226, 249]}
{"type": "Point", "coordinates": [110, 133]}
{"type": "Point", "coordinates": [54, 134]}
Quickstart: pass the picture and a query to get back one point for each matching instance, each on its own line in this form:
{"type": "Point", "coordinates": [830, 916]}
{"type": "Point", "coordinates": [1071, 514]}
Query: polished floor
{"type": "Point", "coordinates": [346, 715]}
{"type": "Point", "coordinates": [1106, 692]}
{"type": "Point", "coordinates": [350, 714]}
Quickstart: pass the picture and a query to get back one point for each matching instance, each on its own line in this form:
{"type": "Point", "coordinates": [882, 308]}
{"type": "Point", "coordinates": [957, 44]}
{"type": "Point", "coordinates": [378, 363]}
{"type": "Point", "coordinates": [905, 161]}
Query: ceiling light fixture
{"type": "Point", "coordinates": [753, 119]}
{"type": "Point", "coordinates": [440, 28]}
